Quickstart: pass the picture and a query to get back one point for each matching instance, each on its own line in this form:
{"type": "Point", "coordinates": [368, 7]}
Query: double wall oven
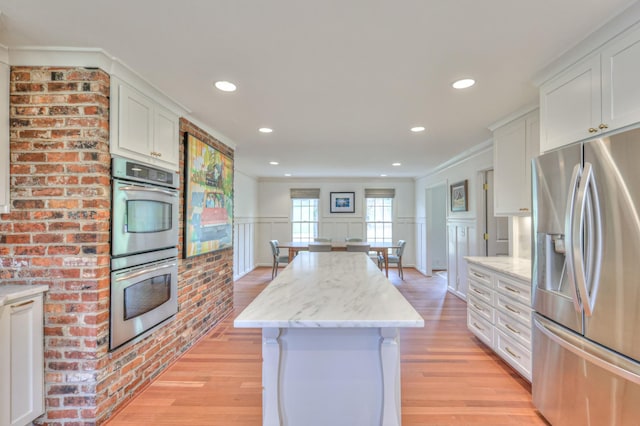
{"type": "Point", "coordinates": [144, 253]}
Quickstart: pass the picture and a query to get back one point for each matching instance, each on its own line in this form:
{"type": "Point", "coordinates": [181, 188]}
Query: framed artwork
{"type": "Point", "coordinates": [208, 212]}
{"type": "Point", "coordinates": [459, 196]}
{"type": "Point", "coordinates": [343, 202]}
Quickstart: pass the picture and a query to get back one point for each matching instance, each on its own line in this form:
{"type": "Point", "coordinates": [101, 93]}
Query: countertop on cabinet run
{"type": "Point", "coordinates": [514, 266]}
{"type": "Point", "coordinates": [334, 289]}
{"type": "Point", "coordinates": [12, 292]}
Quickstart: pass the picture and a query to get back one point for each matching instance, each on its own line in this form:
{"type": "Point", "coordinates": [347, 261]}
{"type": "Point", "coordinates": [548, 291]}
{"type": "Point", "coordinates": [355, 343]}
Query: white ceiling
{"type": "Point", "coordinates": [339, 81]}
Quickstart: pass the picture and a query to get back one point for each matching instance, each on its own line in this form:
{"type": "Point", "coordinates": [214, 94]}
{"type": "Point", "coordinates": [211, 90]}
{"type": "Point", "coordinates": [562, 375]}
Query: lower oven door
{"type": "Point", "coordinates": [145, 218]}
{"type": "Point", "coordinates": [141, 298]}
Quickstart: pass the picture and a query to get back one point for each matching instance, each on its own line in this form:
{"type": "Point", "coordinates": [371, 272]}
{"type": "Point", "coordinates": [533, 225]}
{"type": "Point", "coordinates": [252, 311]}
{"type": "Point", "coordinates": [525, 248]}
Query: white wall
{"type": "Point", "coordinates": [275, 210]}
{"type": "Point", "coordinates": [466, 166]}
{"type": "Point", "coordinates": [245, 192]}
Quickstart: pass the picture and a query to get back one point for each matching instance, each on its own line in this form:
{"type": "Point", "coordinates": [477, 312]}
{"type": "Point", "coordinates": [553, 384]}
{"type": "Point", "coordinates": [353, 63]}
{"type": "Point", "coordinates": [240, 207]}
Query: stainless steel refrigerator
{"type": "Point", "coordinates": [586, 282]}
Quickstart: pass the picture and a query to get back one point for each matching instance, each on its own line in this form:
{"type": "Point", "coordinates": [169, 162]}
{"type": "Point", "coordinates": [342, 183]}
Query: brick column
{"type": "Point", "coordinates": [58, 230]}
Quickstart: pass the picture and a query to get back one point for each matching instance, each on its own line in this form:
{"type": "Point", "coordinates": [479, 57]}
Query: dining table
{"type": "Point", "coordinates": [381, 248]}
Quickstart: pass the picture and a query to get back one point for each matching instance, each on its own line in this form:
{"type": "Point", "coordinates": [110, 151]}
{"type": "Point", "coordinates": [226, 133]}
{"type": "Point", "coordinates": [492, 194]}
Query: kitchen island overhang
{"type": "Point", "coordinates": [331, 348]}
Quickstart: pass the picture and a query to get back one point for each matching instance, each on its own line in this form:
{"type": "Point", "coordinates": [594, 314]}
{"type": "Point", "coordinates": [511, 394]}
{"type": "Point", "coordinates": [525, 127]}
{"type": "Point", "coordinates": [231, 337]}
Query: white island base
{"type": "Point", "coordinates": [331, 376]}
{"type": "Point", "coordinates": [330, 344]}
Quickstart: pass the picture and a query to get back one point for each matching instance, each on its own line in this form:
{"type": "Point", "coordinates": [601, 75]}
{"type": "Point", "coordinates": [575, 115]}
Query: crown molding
{"type": "Point", "coordinates": [514, 115]}
{"type": "Point", "coordinates": [470, 153]}
{"type": "Point", "coordinates": [92, 58]}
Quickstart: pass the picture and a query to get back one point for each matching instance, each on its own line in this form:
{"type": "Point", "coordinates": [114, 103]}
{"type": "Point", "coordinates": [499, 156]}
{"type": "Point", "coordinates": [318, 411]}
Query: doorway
{"type": "Point", "coordinates": [496, 229]}
{"type": "Point", "coordinates": [436, 244]}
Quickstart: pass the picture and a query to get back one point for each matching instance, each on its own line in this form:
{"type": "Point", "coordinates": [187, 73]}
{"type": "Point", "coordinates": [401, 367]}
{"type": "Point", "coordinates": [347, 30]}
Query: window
{"type": "Point", "coordinates": [379, 218]}
{"type": "Point", "coordinates": [304, 214]}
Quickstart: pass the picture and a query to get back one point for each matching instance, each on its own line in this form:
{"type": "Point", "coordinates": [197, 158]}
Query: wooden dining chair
{"type": "Point", "coordinates": [352, 240]}
{"type": "Point", "coordinates": [322, 240]}
{"type": "Point", "coordinates": [395, 258]}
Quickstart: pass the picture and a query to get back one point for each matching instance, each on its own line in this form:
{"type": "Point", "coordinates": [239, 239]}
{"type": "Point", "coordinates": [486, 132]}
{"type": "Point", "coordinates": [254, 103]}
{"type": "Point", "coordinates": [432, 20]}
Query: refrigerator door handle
{"type": "Point", "coordinates": [613, 363]}
{"type": "Point", "coordinates": [568, 235]}
{"type": "Point", "coordinates": [587, 183]}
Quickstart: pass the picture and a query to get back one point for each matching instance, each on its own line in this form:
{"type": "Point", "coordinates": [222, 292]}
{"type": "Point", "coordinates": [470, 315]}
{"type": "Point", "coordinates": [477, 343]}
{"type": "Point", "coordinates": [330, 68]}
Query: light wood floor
{"type": "Point", "coordinates": [448, 376]}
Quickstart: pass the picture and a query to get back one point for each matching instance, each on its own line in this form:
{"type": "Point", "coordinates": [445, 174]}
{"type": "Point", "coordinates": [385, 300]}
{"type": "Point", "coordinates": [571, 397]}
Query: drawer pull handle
{"type": "Point", "coordinates": [511, 328]}
{"type": "Point", "coordinates": [478, 291]}
{"type": "Point", "coordinates": [509, 308]}
{"type": "Point", "coordinates": [478, 275]}
{"type": "Point", "coordinates": [478, 307]}
{"type": "Point", "coordinates": [477, 326]}
{"type": "Point", "coordinates": [28, 302]}
{"type": "Point", "coordinates": [511, 289]}
{"type": "Point", "coordinates": [506, 348]}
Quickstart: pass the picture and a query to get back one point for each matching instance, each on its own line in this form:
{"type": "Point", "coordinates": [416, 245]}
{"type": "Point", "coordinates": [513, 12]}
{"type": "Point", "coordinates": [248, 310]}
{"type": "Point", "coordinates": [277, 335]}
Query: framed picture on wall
{"type": "Point", "coordinates": [459, 196]}
{"type": "Point", "coordinates": [208, 198]}
{"type": "Point", "coordinates": [343, 202]}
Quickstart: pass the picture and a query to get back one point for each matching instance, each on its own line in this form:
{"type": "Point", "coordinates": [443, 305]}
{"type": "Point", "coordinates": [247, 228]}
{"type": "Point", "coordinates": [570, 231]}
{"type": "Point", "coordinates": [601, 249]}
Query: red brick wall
{"type": "Point", "coordinates": [58, 234]}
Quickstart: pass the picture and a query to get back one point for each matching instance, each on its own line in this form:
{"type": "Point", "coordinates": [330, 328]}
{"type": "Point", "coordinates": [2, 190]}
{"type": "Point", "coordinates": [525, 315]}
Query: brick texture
{"type": "Point", "coordinates": [58, 234]}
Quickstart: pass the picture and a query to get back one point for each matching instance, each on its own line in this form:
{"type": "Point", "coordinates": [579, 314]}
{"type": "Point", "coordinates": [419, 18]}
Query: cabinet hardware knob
{"type": "Point", "coordinates": [603, 126]}
{"type": "Point", "coordinates": [524, 209]}
{"type": "Point", "coordinates": [593, 130]}
{"type": "Point", "coordinates": [159, 154]}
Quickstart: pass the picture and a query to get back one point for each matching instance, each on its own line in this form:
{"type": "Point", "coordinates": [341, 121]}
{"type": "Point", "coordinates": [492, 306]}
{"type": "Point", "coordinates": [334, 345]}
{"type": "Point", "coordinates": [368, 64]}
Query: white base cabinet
{"type": "Point", "coordinates": [21, 355]}
{"type": "Point", "coordinates": [499, 314]}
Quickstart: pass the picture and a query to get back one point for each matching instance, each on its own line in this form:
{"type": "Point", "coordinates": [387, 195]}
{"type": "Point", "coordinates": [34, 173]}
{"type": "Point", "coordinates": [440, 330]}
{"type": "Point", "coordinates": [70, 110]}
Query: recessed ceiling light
{"type": "Point", "coordinates": [464, 83]}
{"type": "Point", "coordinates": [287, 174]}
{"type": "Point", "coordinates": [265, 130]}
{"type": "Point", "coordinates": [383, 175]}
{"type": "Point", "coordinates": [396, 164]}
{"type": "Point", "coordinates": [273, 163]}
{"type": "Point", "coordinates": [225, 86]}
{"type": "Point", "coordinates": [417, 129]}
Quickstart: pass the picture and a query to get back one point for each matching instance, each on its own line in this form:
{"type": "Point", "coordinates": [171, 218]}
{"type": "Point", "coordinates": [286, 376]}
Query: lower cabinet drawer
{"type": "Point", "coordinates": [514, 308]}
{"type": "Point", "coordinates": [481, 308]}
{"type": "Point", "coordinates": [480, 291]}
{"type": "Point", "coordinates": [514, 329]}
{"type": "Point", "coordinates": [514, 353]}
{"type": "Point", "coordinates": [480, 327]}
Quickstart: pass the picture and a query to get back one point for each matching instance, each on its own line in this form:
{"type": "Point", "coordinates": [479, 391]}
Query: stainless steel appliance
{"type": "Point", "coordinates": [144, 239]}
{"type": "Point", "coordinates": [145, 208]}
{"type": "Point", "coordinates": [586, 282]}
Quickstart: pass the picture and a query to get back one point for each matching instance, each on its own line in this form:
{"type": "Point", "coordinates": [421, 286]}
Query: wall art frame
{"type": "Point", "coordinates": [459, 196]}
{"type": "Point", "coordinates": [342, 202]}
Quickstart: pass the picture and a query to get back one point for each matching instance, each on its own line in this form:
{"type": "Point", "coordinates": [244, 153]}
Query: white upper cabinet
{"type": "Point", "coordinates": [4, 138]}
{"type": "Point", "coordinates": [142, 129]}
{"type": "Point", "coordinates": [598, 94]}
{"type": "Point", "coordinates": [515, 144]}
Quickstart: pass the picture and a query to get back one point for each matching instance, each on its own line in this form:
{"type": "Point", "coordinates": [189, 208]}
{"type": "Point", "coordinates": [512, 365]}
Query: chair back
{"type": "Point", "coordinates": [319, 247]}
{"type": "Point", "coordinates": [400, 249]}
{"type": "Point", "coordinates": [275, 250]}
{"type": "Point", "coordinates": [353, 240]}
{"type": "Point", "coordinates": [322, 240]}
{"type": "Point", "coordinates": [361, 248]}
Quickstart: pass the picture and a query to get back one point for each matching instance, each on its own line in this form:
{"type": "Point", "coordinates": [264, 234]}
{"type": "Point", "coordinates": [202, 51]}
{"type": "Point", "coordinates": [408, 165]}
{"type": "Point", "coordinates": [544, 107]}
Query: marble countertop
{"type": "Point", "coordinates": [334, 289]}
{"type": "Point", "coordinates": [514, 266]}
{"type": "Point", "coordinates": [11, 292]}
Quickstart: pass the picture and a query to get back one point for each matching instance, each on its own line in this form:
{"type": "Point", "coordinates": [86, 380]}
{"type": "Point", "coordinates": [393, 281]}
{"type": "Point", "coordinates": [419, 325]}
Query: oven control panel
{"type": "Point", "coordinates": [127, 169]}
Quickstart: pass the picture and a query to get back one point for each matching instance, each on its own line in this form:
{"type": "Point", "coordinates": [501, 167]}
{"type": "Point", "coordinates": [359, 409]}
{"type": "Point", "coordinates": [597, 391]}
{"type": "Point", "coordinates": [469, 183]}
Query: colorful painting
{"type": "Point", "coordinates": [208, 199]}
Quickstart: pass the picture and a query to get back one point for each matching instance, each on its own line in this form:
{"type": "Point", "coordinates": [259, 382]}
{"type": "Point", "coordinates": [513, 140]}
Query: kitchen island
{"type": "Point", "coordinates": [331, 348]}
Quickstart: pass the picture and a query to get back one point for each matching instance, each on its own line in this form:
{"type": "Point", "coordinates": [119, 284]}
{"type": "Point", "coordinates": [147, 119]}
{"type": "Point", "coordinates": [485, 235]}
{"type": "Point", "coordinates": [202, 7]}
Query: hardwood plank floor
{"type": "Point", "coordinates": [448, 376]}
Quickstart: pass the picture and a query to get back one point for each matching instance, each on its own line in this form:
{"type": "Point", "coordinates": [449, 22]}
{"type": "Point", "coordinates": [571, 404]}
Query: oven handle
{"type": "Point", "coordinates": [144, 271]}
{"type": "Point", "coordinates": [145, 189]}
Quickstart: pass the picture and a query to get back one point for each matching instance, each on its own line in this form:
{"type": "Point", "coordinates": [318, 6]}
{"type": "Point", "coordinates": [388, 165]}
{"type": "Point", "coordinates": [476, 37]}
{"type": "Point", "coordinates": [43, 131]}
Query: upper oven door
{"type": "Point", "coordinates": [145, 218]}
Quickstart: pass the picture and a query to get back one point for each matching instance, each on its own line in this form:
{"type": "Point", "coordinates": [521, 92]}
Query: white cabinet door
{"type": "Point", "coordinates": [514, 145]}
{"type": "Point", "coordinates": [21, 359]}
{"type": "Point", "coordinates": [166, 132]}
{"type": "Point", "coordinates": [4, 139]}
{"type": "Point", "coordinates": [570, 105]}
{"type": "Point", "coordinates": [620, 82]}
{"type": "Point", "coordinates": [135, 115]}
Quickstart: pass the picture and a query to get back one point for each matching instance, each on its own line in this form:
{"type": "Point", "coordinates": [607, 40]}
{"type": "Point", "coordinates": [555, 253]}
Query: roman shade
{"type": "Point", "coordinates": [305, 193]}
{"type": "Point", "coordinates": [379, 193]}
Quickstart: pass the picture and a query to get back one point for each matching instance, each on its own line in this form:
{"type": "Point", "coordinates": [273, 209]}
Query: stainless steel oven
{"type": "Point", "coordinates": [144, 252]}
{"type": "Point", "coordinates": [145, 208]}
{"type": "Point", "coordinates": [141, 298]}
